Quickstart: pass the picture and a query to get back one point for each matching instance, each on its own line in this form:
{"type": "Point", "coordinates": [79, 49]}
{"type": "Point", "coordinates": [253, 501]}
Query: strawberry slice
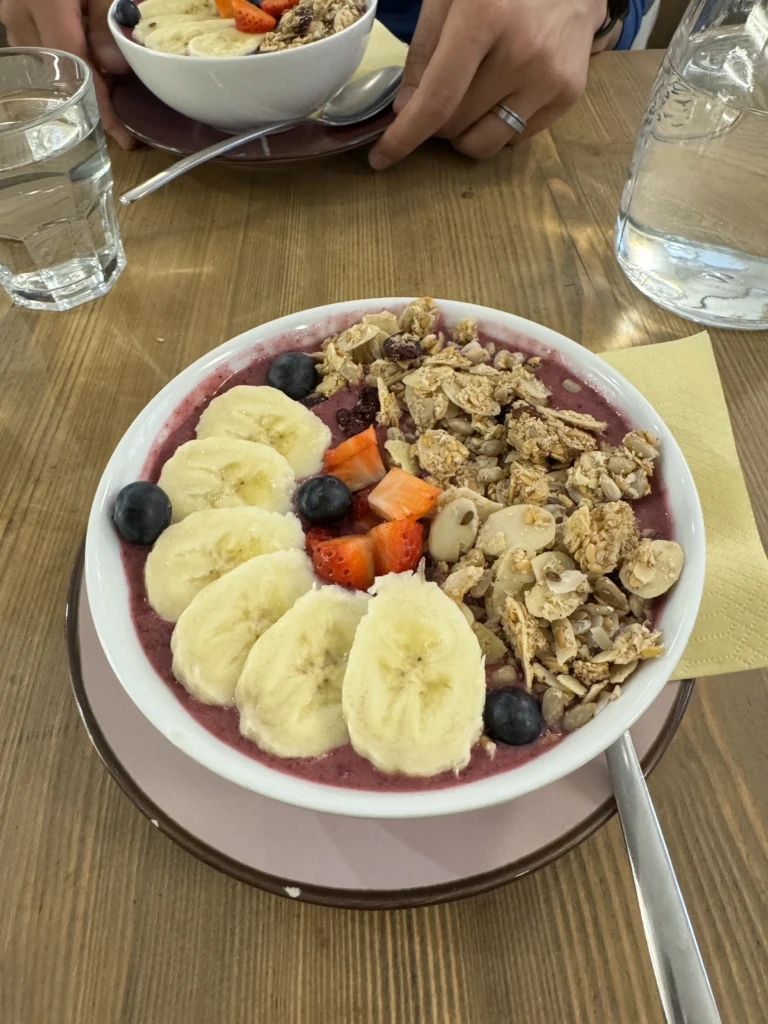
{"type": "Point", "coordinates": [397, 546]}
{"type": "Point", "coordinates": [249, 18]}
{"type": "Point", "coordinates": [225, 8]}
{"type": "Point", "coordinates": [316, 536]}
{"type": "Point", "coordinates": [277, 7]}
{"type": "Point", "coordinates": [363, 520]}
{"type": "Point", "coordinates": [345, 560]}
{"type": "Point", "coordinates": [357, 461]}
{"type": "Point", "coordinates": [401, 495]}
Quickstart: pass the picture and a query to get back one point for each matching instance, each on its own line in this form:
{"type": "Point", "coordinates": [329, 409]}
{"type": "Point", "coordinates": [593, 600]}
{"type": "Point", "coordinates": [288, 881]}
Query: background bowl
{"type": "Point", "coordinates": [238, 93]}
{"type": "Point", "coordinates": [109, 596]}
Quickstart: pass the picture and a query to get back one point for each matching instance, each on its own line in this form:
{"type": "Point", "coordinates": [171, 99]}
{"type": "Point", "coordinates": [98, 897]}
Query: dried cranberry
{"type": "Point", "coordinates": [362, 415]}
{"type": "Point", "coordinates": [401, 348]}
{"type": "Point", "coordinates": [312, 400]}
{"type": "Point", "coordinates": [302, 21]}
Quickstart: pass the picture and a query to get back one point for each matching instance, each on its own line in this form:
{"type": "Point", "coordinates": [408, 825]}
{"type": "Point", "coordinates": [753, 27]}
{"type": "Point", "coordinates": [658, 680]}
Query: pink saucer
{"type": "Point", "coordinates": [155, 124]}
{"type": "Point", "coordinates": [321, 858]}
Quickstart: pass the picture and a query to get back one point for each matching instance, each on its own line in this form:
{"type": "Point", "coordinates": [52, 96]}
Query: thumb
{"type": "Point", "coordinates": [423, 45]}
{"type": "Point", "coordinates": [105, 52]}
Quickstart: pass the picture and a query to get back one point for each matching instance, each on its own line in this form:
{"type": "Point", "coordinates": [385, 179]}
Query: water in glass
{"type": "Point", "coordinates": [59, 241]}
{"type": "Point", "coordinates": [693, 224]}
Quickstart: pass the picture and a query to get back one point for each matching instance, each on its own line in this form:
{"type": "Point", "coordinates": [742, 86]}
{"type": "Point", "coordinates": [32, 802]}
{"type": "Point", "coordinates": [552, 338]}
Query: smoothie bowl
{"type": "Point", "coordinates": [234, 65]}
{"type": "Point", "coordinates": [395, 558]}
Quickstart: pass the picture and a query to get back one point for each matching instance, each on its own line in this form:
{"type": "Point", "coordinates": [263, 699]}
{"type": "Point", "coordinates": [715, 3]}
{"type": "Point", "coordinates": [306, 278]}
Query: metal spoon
{"type": "Point", "coordinates": [680, 973]}
{"type": "Point", "coordinates": [358, 101]}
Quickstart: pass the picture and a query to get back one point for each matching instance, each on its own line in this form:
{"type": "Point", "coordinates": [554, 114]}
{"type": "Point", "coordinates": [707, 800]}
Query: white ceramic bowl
{"type": "Point", "coordinates": [108, 591]}
{"type": "Point", "coordinates": [238, 93]}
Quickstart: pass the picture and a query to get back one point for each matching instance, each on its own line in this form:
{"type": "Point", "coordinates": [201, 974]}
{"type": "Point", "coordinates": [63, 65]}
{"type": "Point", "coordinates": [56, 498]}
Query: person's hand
{"type": "Point", "coordinates": [59, 24]}
{"type": "Point", "coordinates": [469, 55]}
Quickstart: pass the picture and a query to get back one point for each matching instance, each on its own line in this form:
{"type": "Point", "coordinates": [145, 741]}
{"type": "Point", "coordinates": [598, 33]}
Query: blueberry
{"type": "Point", "coordinates": [511, 716]}
{"type": "Point", "coordinates": [294, 374]}
{"type": "Point", "coordinates": [142, 512]}
{"type": "Point", "coordinates": [324, 499]}
{"type": "Point", "coordinates": [127, 14]}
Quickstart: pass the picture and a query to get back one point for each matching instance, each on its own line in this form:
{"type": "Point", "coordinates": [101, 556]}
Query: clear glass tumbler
{"type": "Point", "coordinates": [59, 240]}
{"type": "Point", "coordinates": [693, 226]}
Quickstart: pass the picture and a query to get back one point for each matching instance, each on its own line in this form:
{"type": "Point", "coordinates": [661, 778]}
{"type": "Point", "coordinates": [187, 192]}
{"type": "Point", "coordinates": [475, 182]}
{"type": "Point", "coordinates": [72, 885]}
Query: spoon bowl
{"type": "Point", "coordinates": [359, 100]}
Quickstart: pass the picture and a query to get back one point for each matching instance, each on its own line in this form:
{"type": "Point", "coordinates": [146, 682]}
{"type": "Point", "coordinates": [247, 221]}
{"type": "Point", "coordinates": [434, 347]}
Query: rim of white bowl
{"type": "Point", "coordinates": [116, 27]}
{"type": "Point", "coordinates": [111, 613]}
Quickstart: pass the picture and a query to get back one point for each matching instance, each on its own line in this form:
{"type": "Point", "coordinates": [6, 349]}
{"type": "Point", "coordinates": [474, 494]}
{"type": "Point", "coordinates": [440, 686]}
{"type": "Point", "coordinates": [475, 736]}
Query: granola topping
{"type": "Point", "coordinates": [534, 534]}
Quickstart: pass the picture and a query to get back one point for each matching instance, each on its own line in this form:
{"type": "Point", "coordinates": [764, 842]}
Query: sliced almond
{"type": "Point", "coordinates": [549, 563]}
{"type": "Point", "coordinates": [453, 530]}
{"type": "Point", "coordinates": [541, 602]}
{"type": "Point", "coordinates": [522, 526]}
{"type": "Point", "coordinates": [653, 568]}
{"type": "Point", "coordinates": [494, 649]}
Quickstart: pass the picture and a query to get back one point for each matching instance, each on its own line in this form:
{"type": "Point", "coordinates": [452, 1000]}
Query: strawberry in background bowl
{"type": "Point", "coordinates": [236, 65]}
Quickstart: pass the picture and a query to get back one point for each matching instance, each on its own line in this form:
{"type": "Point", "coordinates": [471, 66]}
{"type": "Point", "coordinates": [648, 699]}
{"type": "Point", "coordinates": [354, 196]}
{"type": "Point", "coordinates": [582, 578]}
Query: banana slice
{"type": "Point", "coordinates": [203, 547]}
{"type": "Point", "coordinates": [224, 42]}
{"type": "Point", "coordinates": [148, 25]}
{"type": "Point", "coordinates": [289, 695]}
{"type": "Point", "coordinates": [215, 633]}
{"type": "Point", "coordinates": [267, 415]}
{"type": "Point", "coordinates": [151, 8]}
{"type": "Point", "coordinates": [414, 688]}
{"type": "Point", "coordinates": [175, 38]}
{"type": "Point", "coordinates": [223, 472]}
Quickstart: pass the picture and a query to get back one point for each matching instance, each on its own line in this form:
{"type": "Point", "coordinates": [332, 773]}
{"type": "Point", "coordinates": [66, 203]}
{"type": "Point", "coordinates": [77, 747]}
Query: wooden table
{"type": "Point", "coordinates": [104, 921]}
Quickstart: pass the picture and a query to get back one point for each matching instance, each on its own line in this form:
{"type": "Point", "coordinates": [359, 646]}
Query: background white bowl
{"type": "Point", "coordinates": [109, 597]}
{"type": "Point", "coordinates": [238, 93]}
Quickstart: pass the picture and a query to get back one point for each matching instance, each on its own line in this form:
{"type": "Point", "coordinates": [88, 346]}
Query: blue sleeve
{"type": "Point", "coordinates": [400, 17]}
{"type": "Point", "coordinates": [632, 23]}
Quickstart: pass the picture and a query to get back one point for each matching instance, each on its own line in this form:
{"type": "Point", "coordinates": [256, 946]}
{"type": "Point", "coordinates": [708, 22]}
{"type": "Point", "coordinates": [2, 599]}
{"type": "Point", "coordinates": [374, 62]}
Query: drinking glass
{"type": "Point", "coordinates": [59, 240]}
{"type": "Point", "coordinates": [693, 225]}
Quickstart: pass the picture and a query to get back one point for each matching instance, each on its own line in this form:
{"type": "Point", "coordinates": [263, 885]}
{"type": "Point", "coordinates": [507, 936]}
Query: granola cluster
{"type": "Point", "coordinates": [311, 20]}
{"type": "Point", "coordinates": [534, 535]}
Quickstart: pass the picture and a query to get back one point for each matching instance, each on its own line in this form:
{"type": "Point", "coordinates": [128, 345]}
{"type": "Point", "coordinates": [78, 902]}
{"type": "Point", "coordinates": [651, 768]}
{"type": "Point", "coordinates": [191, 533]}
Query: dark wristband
{"type": "Point", "coordinates": [617, 11]}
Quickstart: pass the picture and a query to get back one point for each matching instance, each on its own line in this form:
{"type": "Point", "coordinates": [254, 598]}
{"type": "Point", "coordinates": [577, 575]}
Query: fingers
{"type": "Point", "coordinates": [112, 125]}
{"type": "Point", "coordinates": [460, 49]}
{"type": "Point", "coordinates": [62, 28]}
{"type": "Point", "coordinates": [490, 134]}
{"type": "Point", "coordinates": [423, 45]}
{"type": "Point", "coordinates": [20, 27]}
{"type": "Point", "coordinates": [106, 55]}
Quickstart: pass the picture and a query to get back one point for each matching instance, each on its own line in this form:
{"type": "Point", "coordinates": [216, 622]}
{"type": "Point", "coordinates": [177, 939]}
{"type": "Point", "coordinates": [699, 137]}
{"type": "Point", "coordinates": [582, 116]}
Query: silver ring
{"type": "Point", "coordinates": [509, 117]}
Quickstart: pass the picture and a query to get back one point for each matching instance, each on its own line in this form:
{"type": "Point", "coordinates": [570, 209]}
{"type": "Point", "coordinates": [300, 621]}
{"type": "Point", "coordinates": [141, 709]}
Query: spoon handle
{"type": "Point", "coordinates": [680, 973]}
{"type": "Point", "coordinates": [195, 159]}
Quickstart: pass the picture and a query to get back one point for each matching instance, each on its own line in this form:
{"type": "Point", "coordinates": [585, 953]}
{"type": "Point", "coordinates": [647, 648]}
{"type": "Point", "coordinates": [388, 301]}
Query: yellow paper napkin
{"type": "Point", "coordinates": [681, 382]}
{"type": "Point", "coordinates": [383, 50]}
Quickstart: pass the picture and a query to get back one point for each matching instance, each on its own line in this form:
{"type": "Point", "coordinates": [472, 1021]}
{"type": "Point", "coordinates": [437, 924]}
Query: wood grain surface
{"type": "Point", "coordinates": [103, 920]}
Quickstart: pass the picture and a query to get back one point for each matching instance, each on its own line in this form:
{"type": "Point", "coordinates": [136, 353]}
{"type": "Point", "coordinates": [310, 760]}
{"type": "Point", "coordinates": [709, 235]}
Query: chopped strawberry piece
{"type": "Point", "coordinates": [225, 8]}
{"type": "Point", "coordinates": [401, 495]}
{"type": "Point", "coordinates": [345, 560]}
{"type": "Point", "coordinates": [397, 546]}
{"type": "Point", "coordinates": [363, 519]}
{"type": "Point", "coordinates": [360, 507]}
{"type": "Point", "coordinates": [316, 536]}
{"type": "Point", "coordinates": [249, 18]}
{"type": "Point", "coordinates": [357, 461]}
{"type": "Point", "coordinates": [277, 7]}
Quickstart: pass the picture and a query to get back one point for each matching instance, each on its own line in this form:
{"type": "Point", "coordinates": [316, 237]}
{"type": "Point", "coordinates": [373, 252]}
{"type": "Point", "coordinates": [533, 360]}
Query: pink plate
{"type": "Point", "coordinates": [146, 117]}
{"type": "Point", "coordinates": [322, 858]}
